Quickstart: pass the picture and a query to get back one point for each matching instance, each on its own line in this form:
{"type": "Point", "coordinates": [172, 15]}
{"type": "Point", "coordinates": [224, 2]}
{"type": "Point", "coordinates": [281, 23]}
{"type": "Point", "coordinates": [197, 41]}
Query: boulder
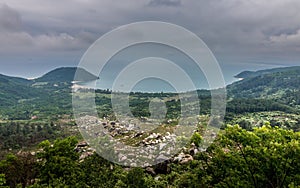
{"type": "Point", "coordinates": [82, 144]}
{"type": "Point", "coordinates": [150, 171]}
{"type": "Point", "coordinates": [186, 159]}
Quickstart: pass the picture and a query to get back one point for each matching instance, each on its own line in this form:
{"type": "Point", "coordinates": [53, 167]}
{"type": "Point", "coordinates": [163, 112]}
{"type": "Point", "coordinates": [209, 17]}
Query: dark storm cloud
{"type": "Point", "coordinates": [165, 3]}
{"type": "Point", "coordinates": [15, 38]}
{"type": "Point", "coordinates": [10, 20]}
{"type": "Point", "coordinates": [225, 25]}
{"type": "Point", "coordinates": [237, 31]}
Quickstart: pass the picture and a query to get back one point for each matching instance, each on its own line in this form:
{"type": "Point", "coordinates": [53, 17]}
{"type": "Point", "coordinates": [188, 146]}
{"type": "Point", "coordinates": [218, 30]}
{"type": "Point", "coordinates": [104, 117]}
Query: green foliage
{"type": "Point", "coordinates": [2, 180]}
{"type": "Point", "coordinates": [135, 178]}
{"type": "Point", "coordinates": [59, 161]}
{"type": "Point", "coordinates": [13, 89]}
{"type": "Point", "coordinates": [22, 134]}
{"type": "Point", "coordinates": [280, 119]}
{"type": "Point", "coordinates": [240, 106]}
{"type": "Point", "coordinates": [196, 139]}
{"type": "Point", "coordinates": [279, 86]}
{"type": "Point", "coordinates": [266, 157]}
{"type": "Point", "coordinates": [19, 169]}
{"type": "Point", "coordinates": [98, 172]}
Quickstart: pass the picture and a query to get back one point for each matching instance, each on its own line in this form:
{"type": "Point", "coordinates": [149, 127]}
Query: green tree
{"type": "Point", "coordinates": [19, 169]}
{"type": "Point", "coordinates": [196, 139]}
{"type": "Point", "coordinates": [135, 178]}
{"type": "Point", "coordinates": [2, 180]}
{"type": "Point", "coordinates": [266, 157]}
{"type": "Point", "coordinates": [99, 172]}
{"type": "Point", "coordinates": [59, 162]}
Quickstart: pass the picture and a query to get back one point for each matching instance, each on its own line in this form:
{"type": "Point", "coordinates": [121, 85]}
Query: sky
{"type": "Point", "coordinates": [39, 35]}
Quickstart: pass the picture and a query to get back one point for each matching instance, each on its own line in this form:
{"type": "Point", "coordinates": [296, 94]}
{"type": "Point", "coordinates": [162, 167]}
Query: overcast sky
{"type": "Point", "coordinates": [39, 35]}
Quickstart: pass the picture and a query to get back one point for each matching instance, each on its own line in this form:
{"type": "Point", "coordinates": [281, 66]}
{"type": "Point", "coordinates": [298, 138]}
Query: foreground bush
{"type": "Point", "coordinates": [264, 157]}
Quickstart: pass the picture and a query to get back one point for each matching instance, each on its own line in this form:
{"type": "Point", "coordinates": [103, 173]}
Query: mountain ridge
{"type": "Point", "coordinates": [282, 78]}
{"type": "Point", "coordinates": [277, 79]}
{"type": "Point", "coordinates": [247, 74]}
{"type": "Point", "coordinates": [66, 74]}
{"type": "Point", "coordinates": [18, 95]}
{"type": "Point", "coordinates": [278, 88]}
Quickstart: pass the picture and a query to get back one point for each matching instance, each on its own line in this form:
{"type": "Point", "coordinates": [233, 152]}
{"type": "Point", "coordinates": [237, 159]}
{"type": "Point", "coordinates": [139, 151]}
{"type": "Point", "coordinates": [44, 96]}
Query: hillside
{"type": "Point", "coordinates": [280, 84]}
{"type": "Point", "coordinates": [13, 89]}
{"type": "Point", "coordinates": [49, 95]}
{"type": "Point", "coordinates": [248, 74]}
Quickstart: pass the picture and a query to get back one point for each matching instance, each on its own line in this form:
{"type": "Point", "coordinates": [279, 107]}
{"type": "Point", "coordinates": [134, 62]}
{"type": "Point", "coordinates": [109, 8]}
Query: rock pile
{"type": "Point", "coordinates": [147, 146]}
{"type": "Point", "coordinates": [157, 138]}
{"type": "Point", "coordinates": [84, 150]}
{"type": "Point", "coordinates": [183, 158]}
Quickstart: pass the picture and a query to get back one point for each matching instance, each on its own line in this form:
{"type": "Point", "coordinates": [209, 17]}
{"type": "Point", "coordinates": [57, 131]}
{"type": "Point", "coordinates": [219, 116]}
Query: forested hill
{"type": "Point", "coordinates": [248, 74]}
{"type": "Point", "coordinates": [14, 80]}
{"type": "Point", "coordinates": [267, 90]}
{"type": "Point", "coordinates": [278, 84]}
{"type": "Point", "coordinates": [47, 95]}
{"type": "Point", "coordinates": [13, 89]}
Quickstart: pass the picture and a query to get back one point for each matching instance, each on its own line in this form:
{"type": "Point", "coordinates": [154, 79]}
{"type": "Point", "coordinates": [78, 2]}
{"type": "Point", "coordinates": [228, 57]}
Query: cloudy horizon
{"type": "Point", "coordinates": [37, 36]}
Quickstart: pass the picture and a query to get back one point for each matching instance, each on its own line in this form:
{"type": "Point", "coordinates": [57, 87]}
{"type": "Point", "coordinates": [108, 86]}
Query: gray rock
{"type": "Point", "coordinates": [161, 158]}
{"type": "Point", "coordinates": [162, 145]}
{"type": "Point", "coordinates": [150, 171]}
{"type": "Point", "coordinates": [122, 158]}
{"type": "Point", "coordinates": [186, 159]}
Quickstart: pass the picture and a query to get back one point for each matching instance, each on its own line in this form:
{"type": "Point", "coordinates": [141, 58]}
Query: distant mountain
{"type": "Point", "coordinates": [65, 74]}
{"type": "Point", "coordinates": [265, 90]}
{"type": "Point", "coordinates": [280, 84]}
{"type": "Point", "coordinates": [249, 74]}
{"type": "Point", "coordinates": [47, 93]}
{"type": "Point", "coordinates": [15, 80]}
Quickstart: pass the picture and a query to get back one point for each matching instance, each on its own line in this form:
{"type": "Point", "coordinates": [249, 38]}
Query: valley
{"type": "Point", "coordinates": [260, 128]}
